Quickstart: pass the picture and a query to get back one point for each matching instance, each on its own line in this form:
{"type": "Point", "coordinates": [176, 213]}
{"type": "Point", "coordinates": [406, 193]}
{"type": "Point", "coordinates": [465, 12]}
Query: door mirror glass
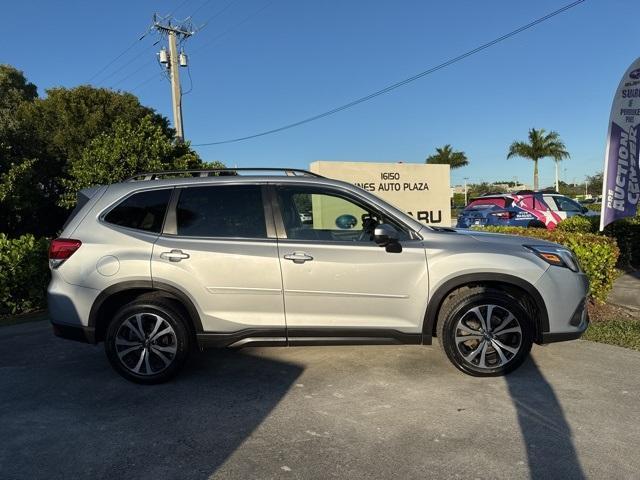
{"type": "Point", "coordinates": [346, 222]}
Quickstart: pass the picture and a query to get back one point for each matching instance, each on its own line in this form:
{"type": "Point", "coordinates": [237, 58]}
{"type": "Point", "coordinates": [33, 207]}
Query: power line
{"type": "Point", "coordinates": [122, 67]}
{"type": "Point", "coordinates": [208, 44]}
{"type": "Point", "coordinates": [126, 50]}
{"type": "Point", "coordinates": [402, 82]}
{"type": "Point", "coordinates": [233, 27]}
{"type": "Point", "coordinates": [125, 65]}
{"type": "Point", "coordinates": [215, 15]}
{"type": "Point", "coordinates": [178, 7]}
{"type": "Point", "coordinates": [127, 77]}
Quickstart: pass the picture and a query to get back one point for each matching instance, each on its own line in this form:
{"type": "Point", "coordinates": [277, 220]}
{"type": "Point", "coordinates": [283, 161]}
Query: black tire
{"type": "Point", "coordinates": [536, 224]}
{"type": "Point", "coordinates": [456, 320]}
{"type": "Point", "coordinates": [174, 345]}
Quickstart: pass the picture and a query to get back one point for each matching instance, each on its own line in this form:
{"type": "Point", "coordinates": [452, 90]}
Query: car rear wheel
{"type": "Point", "coordinates": [147, 341]}
{"type": "Point", "coordinates": [484, 331]}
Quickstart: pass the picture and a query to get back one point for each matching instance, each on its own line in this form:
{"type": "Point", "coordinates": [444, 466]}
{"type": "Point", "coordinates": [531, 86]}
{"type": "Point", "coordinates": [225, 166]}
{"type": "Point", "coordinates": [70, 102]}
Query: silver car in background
{"type": "Point", "coordinates": [166, 262]}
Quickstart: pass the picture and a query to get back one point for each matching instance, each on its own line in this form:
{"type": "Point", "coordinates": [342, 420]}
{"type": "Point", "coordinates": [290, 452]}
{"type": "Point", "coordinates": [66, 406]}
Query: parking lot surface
{"type": "Point", "coordinates": [573, 411]}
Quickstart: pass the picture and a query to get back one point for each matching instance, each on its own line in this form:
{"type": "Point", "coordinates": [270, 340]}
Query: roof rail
{"type": "Point", "coordinates": [215, 172]}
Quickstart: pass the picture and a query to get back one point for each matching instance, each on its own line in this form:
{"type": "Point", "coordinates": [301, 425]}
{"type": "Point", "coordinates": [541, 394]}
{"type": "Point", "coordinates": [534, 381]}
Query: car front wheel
{"type": "Point", "coordinates": [485, 331]}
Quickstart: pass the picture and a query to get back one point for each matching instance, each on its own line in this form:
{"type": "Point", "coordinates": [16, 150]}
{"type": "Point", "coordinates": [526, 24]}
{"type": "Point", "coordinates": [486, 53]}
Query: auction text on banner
{"type": "Point", "coordinates": [621, 188]}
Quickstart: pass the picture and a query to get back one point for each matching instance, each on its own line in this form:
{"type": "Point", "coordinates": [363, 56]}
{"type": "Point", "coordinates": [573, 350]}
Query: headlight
{"type": "Point", "coordinates": [558, 256]}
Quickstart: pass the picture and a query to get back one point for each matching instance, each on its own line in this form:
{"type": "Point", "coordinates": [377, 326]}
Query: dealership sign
{"type": "Point", "coordinates": [421, 190]}
{"type": "Point", "coordinates": [621, 187]}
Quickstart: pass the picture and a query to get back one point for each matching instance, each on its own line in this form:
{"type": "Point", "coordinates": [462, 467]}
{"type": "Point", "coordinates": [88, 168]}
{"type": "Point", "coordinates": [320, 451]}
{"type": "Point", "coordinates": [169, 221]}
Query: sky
{"type": "Point", "coordinates": [261, 64]}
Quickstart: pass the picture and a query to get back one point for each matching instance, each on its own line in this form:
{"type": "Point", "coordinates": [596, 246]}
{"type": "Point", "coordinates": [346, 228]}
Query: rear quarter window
{"type": "Point", "coordinates": [141, 211]}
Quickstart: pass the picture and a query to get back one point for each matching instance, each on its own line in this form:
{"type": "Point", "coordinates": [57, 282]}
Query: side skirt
{"type": "Point", "coordinates": [307, 336]}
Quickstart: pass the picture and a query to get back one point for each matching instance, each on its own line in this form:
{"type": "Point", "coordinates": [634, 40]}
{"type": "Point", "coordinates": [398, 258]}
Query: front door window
{"type": "Point", "coordinates": [309, 213]}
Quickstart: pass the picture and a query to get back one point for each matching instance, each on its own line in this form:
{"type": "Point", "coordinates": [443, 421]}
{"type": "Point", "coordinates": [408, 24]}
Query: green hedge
{"type": "Point", "coordinates": [24, 273]}
{"type": "Point", "coordinates": [625, 231]}
{"type": "Point", "coordinates": [597, 254]}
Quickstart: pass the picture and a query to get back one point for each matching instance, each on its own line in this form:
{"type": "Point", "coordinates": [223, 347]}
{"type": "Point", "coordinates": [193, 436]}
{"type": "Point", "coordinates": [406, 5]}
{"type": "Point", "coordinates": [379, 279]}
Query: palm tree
{"type": "Point", "coordinates": [540, 145]}
{"type": "Point", "coordinates": [446, 156]}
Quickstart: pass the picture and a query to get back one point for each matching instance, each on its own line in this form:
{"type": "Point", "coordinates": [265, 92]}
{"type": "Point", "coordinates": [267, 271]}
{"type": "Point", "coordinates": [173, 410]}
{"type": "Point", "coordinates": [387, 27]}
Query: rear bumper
{"type": "Point", "coordinates": [74, 332]}
{"type": "Point", "coordinates": [69, 307]}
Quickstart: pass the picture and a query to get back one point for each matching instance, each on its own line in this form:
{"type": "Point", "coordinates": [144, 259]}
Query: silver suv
{"type": "Point", "coordinates": [166, 262]}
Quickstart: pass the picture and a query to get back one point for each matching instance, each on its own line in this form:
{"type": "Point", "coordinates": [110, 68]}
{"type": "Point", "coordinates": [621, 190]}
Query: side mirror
{"type": "Point", "coordinates": [387, 236]}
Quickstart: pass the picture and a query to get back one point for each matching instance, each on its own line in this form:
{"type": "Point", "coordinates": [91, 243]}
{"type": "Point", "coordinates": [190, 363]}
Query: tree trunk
{"type": "Point", "coordinates": [557, 178]}
{"type": "Point", "coordinates": [535, 174]}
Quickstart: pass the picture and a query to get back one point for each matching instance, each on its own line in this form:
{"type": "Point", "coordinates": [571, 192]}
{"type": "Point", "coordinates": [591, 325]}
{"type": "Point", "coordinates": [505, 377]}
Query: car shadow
{"type": "Point", "coordinates": [547, 435]}
{"type": "Point", "coordinates": [186, 428]}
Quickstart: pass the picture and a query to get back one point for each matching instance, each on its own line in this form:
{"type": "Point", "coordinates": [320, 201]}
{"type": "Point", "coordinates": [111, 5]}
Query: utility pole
{"type": "Point", "coordinates": [465, 190]}
{"type": "Point", "coordinates": [173, 62]}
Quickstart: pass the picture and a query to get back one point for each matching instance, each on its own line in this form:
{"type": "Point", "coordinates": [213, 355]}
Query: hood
{"type": "Point", "coordinates": [502, 238]}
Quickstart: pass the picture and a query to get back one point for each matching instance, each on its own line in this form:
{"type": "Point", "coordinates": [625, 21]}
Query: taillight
{"type": "Point", "coordinates": [504, 215]}
{"type": "Point", "coordinates": [61, 249]}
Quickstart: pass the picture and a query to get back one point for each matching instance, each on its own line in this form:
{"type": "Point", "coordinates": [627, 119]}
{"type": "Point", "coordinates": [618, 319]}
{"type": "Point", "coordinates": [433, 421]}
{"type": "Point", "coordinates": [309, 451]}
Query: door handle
{"type": "Point", "coordinates": [174, 255]}
{"type": "Point", "coordinates": [298, 257]}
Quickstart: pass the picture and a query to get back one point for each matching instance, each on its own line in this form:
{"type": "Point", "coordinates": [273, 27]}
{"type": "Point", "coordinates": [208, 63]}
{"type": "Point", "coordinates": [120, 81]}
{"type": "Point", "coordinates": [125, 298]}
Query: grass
{"type": "Point", "coordinates": [620, 332]}
{"type": "Point", "coordinates": [614, 325]}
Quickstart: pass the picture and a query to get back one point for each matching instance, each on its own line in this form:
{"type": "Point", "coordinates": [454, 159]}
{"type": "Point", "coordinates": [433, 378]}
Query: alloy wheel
{"type": "Point", "coordinates": [146, 344]}
{"type": "Point", "coordinates": [488, 336]}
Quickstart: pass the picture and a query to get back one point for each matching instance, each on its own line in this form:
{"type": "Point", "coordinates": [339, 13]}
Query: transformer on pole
{"type": "Point", "coordinates": [176, 34]}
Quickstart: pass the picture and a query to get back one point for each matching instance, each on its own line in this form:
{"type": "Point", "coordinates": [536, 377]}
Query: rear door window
{"type": "Point", "coordinates": [141, 211]}
{"type": "Point", "coordinates": [221, 211]}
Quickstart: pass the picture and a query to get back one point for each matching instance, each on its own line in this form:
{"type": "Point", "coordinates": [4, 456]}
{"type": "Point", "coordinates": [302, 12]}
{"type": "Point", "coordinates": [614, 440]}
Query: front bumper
{"type": "Point", "coordinates": [580, 320]}
{"type": "Point", "coordinates": [565, 296]}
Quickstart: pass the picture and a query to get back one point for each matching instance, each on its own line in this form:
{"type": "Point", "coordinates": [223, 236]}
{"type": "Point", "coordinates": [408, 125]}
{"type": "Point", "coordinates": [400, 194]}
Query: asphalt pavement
{"type": "Point", "coordinates": [573, 411]}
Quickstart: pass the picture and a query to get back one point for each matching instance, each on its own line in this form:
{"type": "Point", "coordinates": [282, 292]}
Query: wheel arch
{"type": "Point", "coordinates": [510, 283]}
{"type": "Point", "coordinates": [111, 298]}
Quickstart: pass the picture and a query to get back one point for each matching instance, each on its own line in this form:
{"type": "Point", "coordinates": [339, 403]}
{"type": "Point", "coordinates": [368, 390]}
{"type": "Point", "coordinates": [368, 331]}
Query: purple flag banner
{"type": "Point", "coordinates": [621, 187]}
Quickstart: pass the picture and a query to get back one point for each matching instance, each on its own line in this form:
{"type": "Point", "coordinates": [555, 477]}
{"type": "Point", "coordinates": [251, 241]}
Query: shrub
{"type": "Point", "coordinates": [625, 231]}
{"type": "Point", "coordinates": [627, 234]}
{"type": "Point", "coordinates": [578, 224]}
{"type": "Point", "coordinates": [597, 254]}
{"type": "Point", "coordinates": [24, 273]}
{"type": "Point", "coordinates": [595, 207]}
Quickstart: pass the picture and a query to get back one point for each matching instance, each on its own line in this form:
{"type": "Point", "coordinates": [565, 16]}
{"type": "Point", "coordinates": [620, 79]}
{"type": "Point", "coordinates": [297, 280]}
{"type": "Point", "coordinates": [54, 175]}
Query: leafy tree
{"type": "Point", "coordinates": [570, 189]}
{"type": "Point", "coordinates": [446, 156]}
{"type": "Point", "coordinates": [540, 145]}
{"type": "Point", "coordinates": [477, 189]}
{"type": "Point", "coordinates": [595, 183]}
{"type": "Point", "coordinates": [14, 90]}
{"type": "Point", "coordinates": [73, 138]}
{"type": "Point", "coordinates": [127, 149]}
